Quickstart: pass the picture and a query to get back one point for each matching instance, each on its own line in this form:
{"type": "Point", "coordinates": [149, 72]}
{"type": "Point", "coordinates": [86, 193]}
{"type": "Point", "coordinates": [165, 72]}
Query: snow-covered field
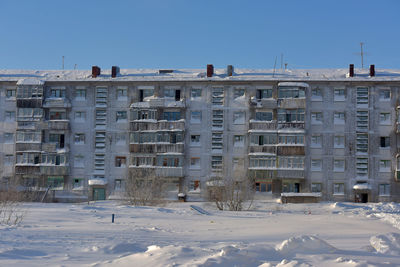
{"type": "Point", "coordinates": [324, 234]}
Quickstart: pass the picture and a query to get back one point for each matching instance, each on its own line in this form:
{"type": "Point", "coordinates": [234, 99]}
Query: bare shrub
{"type": "Point", "coordinates": [143, 188]}
{"type": "Point", "coordinates": [11, 212]}
{"type": "Point", "coordinates": [231, 194]}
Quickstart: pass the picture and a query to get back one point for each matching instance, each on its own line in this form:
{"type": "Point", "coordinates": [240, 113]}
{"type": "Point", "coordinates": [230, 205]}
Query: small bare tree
{"type": "Point", "coordinates": [144, 188]}
{"type": "Point", "coordinates": [11, 211]}
{"type": "Point", "coordinates": [231, 194]}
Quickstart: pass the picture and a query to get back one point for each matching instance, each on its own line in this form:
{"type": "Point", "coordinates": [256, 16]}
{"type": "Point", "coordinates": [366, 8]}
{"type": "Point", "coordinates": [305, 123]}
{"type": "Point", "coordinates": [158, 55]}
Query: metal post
{"type": "Point", "coordinates": [112, 218]}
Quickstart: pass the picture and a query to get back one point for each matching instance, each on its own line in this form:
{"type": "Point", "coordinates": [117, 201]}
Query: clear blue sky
{"type": "Point", "coordinates": [35, 34]}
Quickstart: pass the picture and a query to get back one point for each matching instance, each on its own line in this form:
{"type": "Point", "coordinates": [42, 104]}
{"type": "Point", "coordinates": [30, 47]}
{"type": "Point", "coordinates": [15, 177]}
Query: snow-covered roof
{"type": "Point", "coordinates": [37, 77]}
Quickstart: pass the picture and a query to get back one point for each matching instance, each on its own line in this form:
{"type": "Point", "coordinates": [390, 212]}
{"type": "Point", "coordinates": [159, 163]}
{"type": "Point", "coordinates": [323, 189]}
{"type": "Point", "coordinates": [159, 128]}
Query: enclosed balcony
{"type": "Point", "coordinates": [153, 125]}
{"type": "Point", "coordinates": [262, 125]}
{"type": "Point", "coordinates": [58, 102]}
{"type": "Point", "coordinates": [156, 148]}
{"type": "Point", "coordinates": [169, 171]}
{"type": "Point", "coordinates": [159, 102]}
{"type": "Point", "coordinates": [59, 125]}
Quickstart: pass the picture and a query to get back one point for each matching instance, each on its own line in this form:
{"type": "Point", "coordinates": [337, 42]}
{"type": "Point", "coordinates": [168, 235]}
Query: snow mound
{"type": "Point", "coordinates": [305, 245]}
{"type": "Point", "coordinates": [386, 244]}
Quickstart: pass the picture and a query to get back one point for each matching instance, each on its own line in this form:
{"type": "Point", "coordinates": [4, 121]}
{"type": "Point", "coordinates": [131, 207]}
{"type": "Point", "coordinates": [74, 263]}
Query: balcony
{"type": "Point", "coordinates": [263, 149]}
{"type": "Point", "coordinates": [290, 174]}
{"type": "Point", "coordinates": [144, 125]}
{"type": "Point", "coordinates": [291, 125]}
{"type": "Point", "coordinates": [59, 125]}
{"type": "Point", "coordinates": [157, 148]}
{"type": "Point", "coordinates": [158, 102]}
{"type": "Point", "coordinates": [27, 169]}
{"type": "Point", "coordinates": [169, 171]}
{"type": "Point", "coordinates": [269, 103]}
{"type": "Point", "coordinates": [56, 103]}
{"type": "Point", "coordinates": [288, 103]}
{"type": "Point", "coordinates": [54, 170]}
{"type": "Point", "coordinates": [262, 125]}
{"type": "Point", "coordinates": [34, 102]}
{"type": "Point", "coordinates": [28, 147]}
{"type": "Point", "coordinates": [290, 150]}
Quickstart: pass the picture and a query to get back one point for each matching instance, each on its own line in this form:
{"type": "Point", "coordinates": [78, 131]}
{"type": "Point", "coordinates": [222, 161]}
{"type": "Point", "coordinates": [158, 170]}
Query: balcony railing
{"type": "Point", "coordinates": [291, 150]}
{"type": "Point", "coordinates": [270, 103]}
{"type": "Point", "coordinates": [28, 146]}
{"type": "Point", "coordinates": [27, 169]}
{"type": "Point", "coordinates": [290, 174]}
{"type": "Point", "coordinates": [262, 125]}
{"type": "Point", "coordinates": [260, 173]}
{"type": "Point", "coordinates": [169, 171]}
{"type": "Point", "coordinates": [54, 170]}
{"type": "Point", "coordinates": [157, 125]}
{"type": "Point", "coordinates": [159, 102]}
{"type": "Point", "coordinates": [59, 124]}
{"type": "Point", "coordinates": [157, 148]}
{"type": "Point", "coordinates": [292, 103]}
{"type": "Point", "coordinates": [56, 103]}
{"type": "Point", "coordinates": [291, 125]}
{"type": "Point", "coordinates": [262, 149]}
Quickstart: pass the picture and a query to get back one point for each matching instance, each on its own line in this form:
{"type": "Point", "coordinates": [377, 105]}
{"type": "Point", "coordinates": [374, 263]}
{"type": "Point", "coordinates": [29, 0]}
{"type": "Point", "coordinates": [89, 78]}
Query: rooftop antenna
{"type": "Point", "coordinates": [362, 55]}
{"type": "Point", "coordinates": [281, 61]}
{"type": "Point", "coordinates": [273, 74]}
{"type": "Point", "coordinates": [62, 62]}
{"type": "Point", "coordinates": [75, 66]}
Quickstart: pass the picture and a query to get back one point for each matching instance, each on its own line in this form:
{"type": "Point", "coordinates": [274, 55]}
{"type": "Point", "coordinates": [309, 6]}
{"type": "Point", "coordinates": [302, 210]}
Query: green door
{"type": "Point", "coordinates": [99, 194]}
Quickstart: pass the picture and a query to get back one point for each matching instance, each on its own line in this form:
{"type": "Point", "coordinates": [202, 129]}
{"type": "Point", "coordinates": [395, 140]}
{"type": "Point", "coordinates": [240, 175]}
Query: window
{"type": "Point", "coordinates": [119, 185]}
{"type": "Point", "coordinates": [338, 141]}
{"type": "Point", "coordinates": [238, 141]}
{"type": "Point", "coordinates": [263, 94]}
{"type": "Point", "coordinates": [385, 141]}
{"type": "Point", "coordinates": [10, 115]}
{"type": "Point", "coordinates": [218, 119]}
{"type": "Point", "coordinates": [263, 116]}
{"type": "Point", "coordinates": [78, 184]}
{"type": "Point", "coordinates": [169, 162]}
{"type": "Point", "coordinates": [58, 115]}
{"type": "Point", "coordinates": [195, 116]}
{"type": "Point", "coordinates": [362, 120]}
{"type": "Point", "coordinates": [217, 140]}
{"type": "Point", "coordinates": [291, 115]}
{"type": "Point", "coordinates": [8, 159]}
{"type": "Point", "coordinates": [195, 140]}
{"type": "Point", "coordinates": [263, 162]}
{"type": "Point", "coordinates": [362, 143]}
{"type": "Point", "coordinates": [316, 141]}
{"type": "Point", "coordinates": [385, 165]}
{"type": "Point", "coordinates": [216, 162]}
{"type": "Point", "coordinates": [55, 183]}
{"type": "Point", "coordinates": [338, 118]}
{"type": "Point", "coordinates": [79, 139]}
{"type": "Point", "coordinates": [362, 167]}
{"type": "Point", "coordinates": [120, 139]}
{"type": "Point", "coordinates": [10, 94]}
{"type": "Point", "coordinates": [316, 117]}
{"type": "Point", "coordinates": [80, 116]}
{"type": "Point", "coordinates": [172, 115]}
{"type": "Point", "coordinates": [316, 94]}
{"type": "Point", "coordinates": [143, 114]}
{"type": "Point", "coordinates": [195, 163]}
{"type": "Point", "coordinates": [28, 136]}
{"type": "Point", "coordinates": [291, 162]}
{"type": "Point", "coordinates": [291, 92]}
{"type": "Point", "coordinates": [120, 162]}
{"type": "Point", "coordinates": [385, 118]}
{"type": "Point", "coordinates": [362, 96]}
{"type": "Point", "coordinates": [316, 187]}
{"type": "Point", "coordinates": [217, 97]}
{"type": "Point", "coordinates": [238, 93]}
{"type": "Point", "coordinates": [194, 185]}
{"type": "Point", "coordinates": [57, 93]}
{"type": "Point", "coordinates": [121, 116]}
{"type": "Point", "coordinates": [384, 94]}
{"type": "Point", "coordinates": [80, 94]}
{"type": "Point", "coordinates": [384, 190]}
{"type": "Point", "coordinates": [263, 139]}
{"type": "Point", "coordinates": [338, 165]}
{"type": "Point", "coordinates": [169, 93]}
{"type": "Point", "coordinates": [122, 93]}
{"type": "Point", "coordinates": [238, 117]}
{"type": "Point", "coordinates": [8, 138]}
{"type": "Point", "coordinates": [339, 95]}
{"type": "Point", "coordinates": [145, 93]}
{"type": "Point", "coordinates": [338, 188]}
{"type": "Point", "coordinates": [316, 165]}
{"type": "Point", "coordinates": [195, 93]}
{"type": "Point", "coordinates": [263, 186]}
{"type": "Point", "coordinates": [291, 139]}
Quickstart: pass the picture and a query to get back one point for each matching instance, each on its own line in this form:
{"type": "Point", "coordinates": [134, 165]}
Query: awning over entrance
{"type": "Point", "coordinates": [364, 186]}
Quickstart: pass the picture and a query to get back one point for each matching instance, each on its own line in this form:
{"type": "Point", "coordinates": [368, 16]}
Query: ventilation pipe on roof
{"type": "Point", "coordinates": [114, 71]}
{"type": "Point", "coordinates": [229, 70]}
{"type": "Point", "coordinates": [372, 70]}
{"type": "Point", "coordinates": [95, 71]}
{"type": "Point", "coordinates": [210, 70]}
{"type": "Point", "coordinates": [351, 70]}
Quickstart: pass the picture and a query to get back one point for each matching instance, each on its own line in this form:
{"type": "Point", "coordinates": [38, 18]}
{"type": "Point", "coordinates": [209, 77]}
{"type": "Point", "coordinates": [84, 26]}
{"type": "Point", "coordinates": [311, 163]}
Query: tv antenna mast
{"type": "Point", "coordinates": [362, 54]}
{"type": "Point", "coordinates": [62, 62]}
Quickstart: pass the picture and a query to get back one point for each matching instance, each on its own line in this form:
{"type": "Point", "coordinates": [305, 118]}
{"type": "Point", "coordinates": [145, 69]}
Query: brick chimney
{"type": "Point", "coordinates": [372, 70]}
{"type": "Point", "coordinates": [210, 70]}
{"type": "Point", "coordinates": [95, 71]}
{"type": "Point", "coordinates": [114, 71]}
{"type": "Point", "coordinates": [351, 70]}
{"type": "Point", "coordinates": [229, 70]}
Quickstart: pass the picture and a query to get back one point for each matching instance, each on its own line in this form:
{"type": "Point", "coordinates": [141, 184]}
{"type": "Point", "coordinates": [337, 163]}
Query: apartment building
{"type": "Point", "coordinates": [79, 135]}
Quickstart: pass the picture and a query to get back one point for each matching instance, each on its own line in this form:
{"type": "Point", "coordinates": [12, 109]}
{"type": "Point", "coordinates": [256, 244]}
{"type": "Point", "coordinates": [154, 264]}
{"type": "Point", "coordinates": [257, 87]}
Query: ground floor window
{"type": "Point", "coordinates": [78, 183]}
{"type": "Point", "coordinates": [264, 186]}
{"type": "Point", "coordinates": [384, 190]}
{"type": "Point", "coordinates": [338, 188]}
{"type": "Point", "coordinates": [316, 187]}
{"type": "Point", "coordinates": [119, 184]}
{"type": "Point", "coordinates": [55, 182]}
{"type": "Point", "coordinates": [195, 185]}
{"type": "Point", "coordinates": [292, 187]}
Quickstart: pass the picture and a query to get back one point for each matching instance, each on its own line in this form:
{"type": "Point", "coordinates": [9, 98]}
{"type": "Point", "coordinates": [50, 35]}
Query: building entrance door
{"type": "Point", "coordinates": [364, 198]}
{"type": "Point", "coordinates": [99, 194]}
